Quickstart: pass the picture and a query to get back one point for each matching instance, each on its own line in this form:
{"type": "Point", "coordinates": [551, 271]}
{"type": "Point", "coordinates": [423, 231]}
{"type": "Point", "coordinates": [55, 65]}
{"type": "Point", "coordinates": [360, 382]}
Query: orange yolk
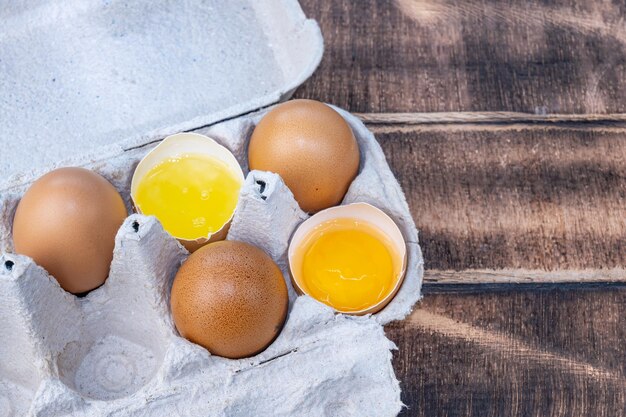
{"type": "Point", "coordinates": [348, 264]}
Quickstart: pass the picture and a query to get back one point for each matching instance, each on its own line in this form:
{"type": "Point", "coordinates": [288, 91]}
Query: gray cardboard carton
{"type": "Point", "coordinates": [116, 351]}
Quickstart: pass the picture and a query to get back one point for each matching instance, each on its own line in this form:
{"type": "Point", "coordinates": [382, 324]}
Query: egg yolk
{"type": "Point", "coordinates": [191, 195]}
{"type": "Point", "coordinates": [348, 265]}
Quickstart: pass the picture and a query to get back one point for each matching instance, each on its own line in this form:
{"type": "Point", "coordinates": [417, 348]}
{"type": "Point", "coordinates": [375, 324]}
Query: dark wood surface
{"type": "Point", "coordinates": [531, 197]}
{"type": "Point", "coordinates": [522, 225]}
{"type": "Point", "coordinates": [514, 353]}
{"type": "Point", "coordinates": [554, 56]}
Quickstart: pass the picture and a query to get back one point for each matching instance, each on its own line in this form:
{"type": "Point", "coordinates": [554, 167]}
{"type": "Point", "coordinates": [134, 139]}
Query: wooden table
{"type": "Point", "coordinates": [505, 123]}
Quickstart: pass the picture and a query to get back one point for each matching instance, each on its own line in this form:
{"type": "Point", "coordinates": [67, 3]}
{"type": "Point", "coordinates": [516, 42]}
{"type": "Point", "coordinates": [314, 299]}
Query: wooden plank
{"type": "Point", "coordinates": [522, 276]}
{"type": "Point", "coordinates": [537, 56]}
{"type": "Point", "coordinates": [514, 197]}
{"type": "Point", "coordinates": [518, 353]}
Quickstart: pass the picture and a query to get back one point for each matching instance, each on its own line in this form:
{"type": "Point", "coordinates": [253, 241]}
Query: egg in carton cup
{"type": "Point", "coordinates": [181, 145]}
{"type": "Point", "coordinates": [116, 351]}
{"type": "Point", "coordinates": [373, 228]}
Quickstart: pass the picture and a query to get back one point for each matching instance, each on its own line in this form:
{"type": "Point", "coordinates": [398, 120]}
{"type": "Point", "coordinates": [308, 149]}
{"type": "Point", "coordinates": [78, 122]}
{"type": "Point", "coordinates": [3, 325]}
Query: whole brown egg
{"type": "Point", "coordinates": [67, 222]}
{"type": "Point", "coordinates": [229, 297]}
{"type": "Point", "coordinates": [311, 147]}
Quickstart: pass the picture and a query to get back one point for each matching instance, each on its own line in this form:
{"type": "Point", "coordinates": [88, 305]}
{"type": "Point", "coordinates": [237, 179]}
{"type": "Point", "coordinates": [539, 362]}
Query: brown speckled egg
{"type": "Point", "coordinates": [231, 298]}
{"type": "Point", "coordinates": [67, 222]}
{"type": "Point", "coordinates": [311, 147]}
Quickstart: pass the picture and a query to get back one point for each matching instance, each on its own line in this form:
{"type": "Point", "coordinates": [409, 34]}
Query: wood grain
{"type": "Point", "coordinates": [522, 217]}
{"type": "Point", "coordinates": [518, 353]}
{"type": "Point", "coordinates": [534, 204]}
{"type": "Point", "coordinates": [518, 197]}
{"type": "Point", "coordinates": [555, 56]}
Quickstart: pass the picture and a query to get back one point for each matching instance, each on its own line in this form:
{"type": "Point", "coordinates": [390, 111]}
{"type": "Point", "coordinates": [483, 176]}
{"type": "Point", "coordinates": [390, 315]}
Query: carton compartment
{"type": "Point", "coordinates": [38, 317]}
{"type": "Point", "coordinates": [126, 324]}
{"type": "Point", "coordinates": [112, 367]}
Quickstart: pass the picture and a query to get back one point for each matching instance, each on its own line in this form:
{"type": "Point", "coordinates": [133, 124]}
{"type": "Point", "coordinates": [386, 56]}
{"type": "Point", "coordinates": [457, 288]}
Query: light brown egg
{"type": "Point", "coordinates": [311, 147]}
{"type": "Point", "coordinates": [67, 222]}
{"type": "Point", "coordinates": [231, 298]}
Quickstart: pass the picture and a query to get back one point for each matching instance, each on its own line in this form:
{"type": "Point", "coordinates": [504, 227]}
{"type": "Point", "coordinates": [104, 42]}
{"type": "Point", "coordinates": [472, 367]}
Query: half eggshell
{"type": "Point", "coordinates": [182, 144]}
{"type": "Point", "coordinates": [356, 211]}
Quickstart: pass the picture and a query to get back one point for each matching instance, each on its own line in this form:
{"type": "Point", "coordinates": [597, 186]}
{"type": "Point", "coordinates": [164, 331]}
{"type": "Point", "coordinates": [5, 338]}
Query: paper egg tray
{"type": "Point", "coordinates": [116, 351]}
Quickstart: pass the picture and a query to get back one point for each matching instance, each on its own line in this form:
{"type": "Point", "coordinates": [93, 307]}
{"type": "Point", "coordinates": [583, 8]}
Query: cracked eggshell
{"type": "Point", "coordinates": [357, 211]}
{"type": "Point", "coordinates": [178, 145]}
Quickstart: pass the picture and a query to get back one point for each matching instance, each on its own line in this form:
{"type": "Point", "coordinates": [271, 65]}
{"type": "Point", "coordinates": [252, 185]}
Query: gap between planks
{"type": "Point", "coordinates": [486, 118]}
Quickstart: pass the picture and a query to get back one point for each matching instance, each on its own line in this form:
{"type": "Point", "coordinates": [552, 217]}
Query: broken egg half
{"type": "Point", "coordinates": [191, 184]}
{"type": "Point", "coordinates": [351, 258]}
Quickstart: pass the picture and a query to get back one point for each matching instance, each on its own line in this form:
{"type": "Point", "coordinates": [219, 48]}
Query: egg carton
{"type": "Point", "coordinates": [116, 351]}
